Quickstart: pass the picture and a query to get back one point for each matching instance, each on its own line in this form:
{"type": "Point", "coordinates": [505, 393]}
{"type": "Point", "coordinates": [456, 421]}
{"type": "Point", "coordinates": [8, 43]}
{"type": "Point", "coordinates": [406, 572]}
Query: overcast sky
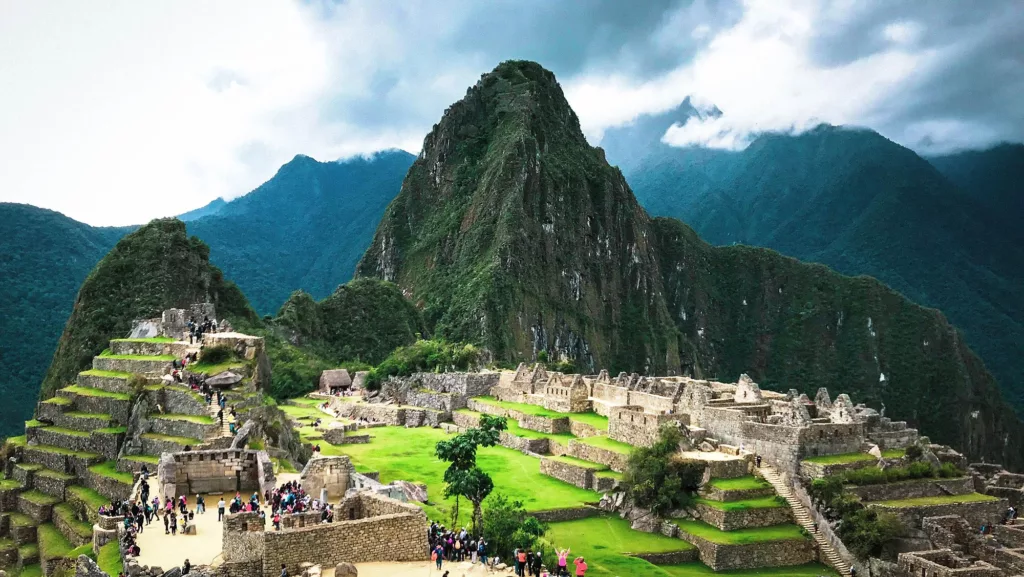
{"type": "Point", "coordinates": [118, 112]}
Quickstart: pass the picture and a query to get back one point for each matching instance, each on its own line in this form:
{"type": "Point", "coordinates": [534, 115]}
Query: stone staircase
{"type": "Point", "coordinates": [225, 429]}
{"type": "Point", "coordinates": [829, 555]}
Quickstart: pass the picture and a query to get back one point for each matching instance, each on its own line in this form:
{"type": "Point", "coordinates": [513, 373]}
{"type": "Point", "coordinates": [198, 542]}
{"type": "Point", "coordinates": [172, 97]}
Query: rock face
{"type": "Point", "coordinates": [511, 231]}
{"type": "Point", "coordinates": [346, 570]}
{"type": "Point", "coordinates": [86, 567]}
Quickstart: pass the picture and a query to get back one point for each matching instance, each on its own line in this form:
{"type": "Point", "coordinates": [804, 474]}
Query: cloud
{"type": "Point", "coordinates": [145, 109]}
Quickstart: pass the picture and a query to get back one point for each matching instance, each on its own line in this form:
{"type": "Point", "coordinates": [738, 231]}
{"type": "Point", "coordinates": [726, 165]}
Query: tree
{"type": "Point", "coordinates": [657, 479]}
{"type": "Point", "coordinates": [462, 477]}
{"type": "Point", "coordinates": [508, 527]}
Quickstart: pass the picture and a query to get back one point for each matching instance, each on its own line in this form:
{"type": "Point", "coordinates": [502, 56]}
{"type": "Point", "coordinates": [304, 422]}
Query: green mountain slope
{"type": "Point", "coordinates": [157, 267]}
{"type": "Point", "coordinates": [512, 232]}
{"type": "Point", "coordinates": [860, 204]}
{"type": "Point", "coordinates": [994, 178]}
{"type": "Point", "coordinates": [44, 260]}
{"type": "Point", "coordinates": [305, 228]}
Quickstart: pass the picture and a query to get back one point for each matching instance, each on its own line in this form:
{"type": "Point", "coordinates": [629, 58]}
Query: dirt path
{"type": "Point", "coordinates": [168, 551]}
{"type": "Point", "coordinates": [420, 569]}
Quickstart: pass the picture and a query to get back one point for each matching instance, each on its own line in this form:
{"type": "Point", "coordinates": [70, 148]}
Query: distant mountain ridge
{"type": "Point", "coordinates": [853, 200]}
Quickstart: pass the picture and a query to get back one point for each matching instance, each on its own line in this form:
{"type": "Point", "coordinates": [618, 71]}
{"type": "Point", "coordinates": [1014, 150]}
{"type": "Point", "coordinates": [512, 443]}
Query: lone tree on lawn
{"type": "Point", "coordinates": [463, 478]}
{"type": "Point", "coordinates": [656, 478]}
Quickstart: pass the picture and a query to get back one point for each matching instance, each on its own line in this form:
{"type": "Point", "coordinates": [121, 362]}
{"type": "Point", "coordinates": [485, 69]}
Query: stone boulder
{"type": "Point", "coordinates": [224, 380]}
{"type": "Point", "coordinates": [311, 570]}
{"type": "Point", "coordinates": [86, 567]}
{"type": "Point", "coordinates": [242, 436]}
{"type": "Point", "coordinates": [172, 572]}
{"type": "Point", "coordinates": [345, 570]}
{"type": "Point", "coordinates": [413, 491]}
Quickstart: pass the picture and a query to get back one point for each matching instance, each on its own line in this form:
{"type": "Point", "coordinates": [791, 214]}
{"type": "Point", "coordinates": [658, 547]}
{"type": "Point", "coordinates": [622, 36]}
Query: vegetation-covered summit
{"type": "Point", "coordinates": [157, 267]}
{"type": "Point", "coordinates": [512, 232]}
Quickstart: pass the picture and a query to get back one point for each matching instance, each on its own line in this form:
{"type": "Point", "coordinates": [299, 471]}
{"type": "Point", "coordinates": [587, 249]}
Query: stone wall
{"type": "Point", "coordinates": [214, 471]}
{"type": "Point", "coordinates": [753, 555]}
{"type": "Point", "coordinates": [943, 563]}
{"type": "Point", "coordinates": [148, 348]}
{"type": "Point", "coordinates": [118, 409]}
{"type": "Point", "coordinates": [466, 419]}
{"type": "Point", "coordinates": [181, 428]}
{"type": "Point", "coordinates": [744, 518]}
{"type": "Point", "coordinates": [106, 486]}
{"type": "Point", "coordinates": [524, 444]}
{"type": "Point", "coordinates": [137, 366]}
{"type": "Point", "coordinates": [613, 459]}
{"type": "Point", "coordinates": [913, 489]}
{"type": "Point", "coordinates": [245, 346]}
{"type": "Point", "coordinates": [331, 473]}
{"type": "Point", "coordinates": [375, 413]}
{"type": "Point", "coordinates": [447, 402]}
{"type": "Point", "coordinates": [977, 514]}
{"type": "Point", "coordinates": [715, 494]}
{"type": "Point", "coordinates": [178, 400]}
{"type": "Point", "coordinates": [462, 384]}
{"type": "Point", "coordinates": [339, 436]}
{"type": "Point", "coordinates": [577, 475]}
{"type": "Point", "coordinates": [541, 424]}
{"type": "Point", "coordinates": [632, 425]}
{"type": "Point", "coordinates": [568, 514]}
{"type": "Point", "coordinates": [243, 538]}
{"type": "Point", "coordinates": [583, 430]}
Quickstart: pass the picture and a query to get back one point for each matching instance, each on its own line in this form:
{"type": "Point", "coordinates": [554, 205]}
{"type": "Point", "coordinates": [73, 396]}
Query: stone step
{"type": "Point", "coordinates": [151, 347]}
{"type": "Point", "coordinates": [148, 366]}
{"type": "Point", "coordinates": [53, 483]}
{"type": "Point", "coordinates": [37, 505]}
{"type": "Point", "coordinates": [28, 554]}
{"type": "Point", "coordinates": [61, 459]}
{"type": "Point", "coordinates": [105, 479]}
{"type": "Point", "coordinates": [51, 409]}
{"type": "Point", "coordinates": [8, 554]}
{"type": "Point", "coordinates": [60, 437]}
{"type": "Point", "coordinates": [20, 528]}
{"type": "Point", "coordinates": [91, 400]}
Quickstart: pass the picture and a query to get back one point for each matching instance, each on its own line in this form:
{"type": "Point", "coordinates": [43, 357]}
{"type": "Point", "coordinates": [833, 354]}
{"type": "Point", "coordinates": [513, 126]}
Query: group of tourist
{"type": "Point", "coordinates": [290, 498]}
{"type": "Point", "coordinates": [197, 330]}
{"type": "Point", "coordinates": [446, 545]}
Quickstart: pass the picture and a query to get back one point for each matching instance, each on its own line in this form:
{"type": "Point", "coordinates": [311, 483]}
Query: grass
{"type": "Point", "coordinates": [91, 392]}
{"type": "Point", "coordinates": [149, 459]}
{"type": "Point", "coordinates": [109, 559]}
{"type": "Point", "coordinates": [67, 515]}
{"type": "Point", "coordinates": [171, 438]}
{"type": "Point", "coordinates": [8, 484]}
{"type": "Point", "coordinates": [63, 451]}
{"type": "Point", "coordinates": [283, 466]}
{"type": "Point", "coordinates": [33, 570]}
{"type": "Point", "coordinates": [146, 340]}
{"type": "Point", "coordinates": [81, 550]}
{"type": "Point", "coordinates": [894, 453]}
{"type": "Point", "coordinates": [55, 475]}
{"type": "Point", "coordinates": [109, 470]}
{"type": "Point", "coordinates": [28, 466]}
{"type": "Point", "coordinates": [52, 543]}
{"type": "Point", "coordinates": [579, 462]}
{"type": "Point", "coordinates": [941, 500]}
{"type": "Point", "coordinates": [106, 374]}
{"type": "Point", "coordinates": [81, 415]}
{"type": "Point", "coordinates": [33, 423]}
{"type": "Point", "coordinates": [603, 442]}
{"type": "Point", "coordinates": [843, 459]}
{"type": "Point", "coordinates": [747, 483]}
{"type": "Point", "coordinates": [167, 358]}
{"type": "Point", "coordinates": [700, 570]}
{"type": "Point", "coordinates": [111, 430]}
{"type": "Point", "coordinates": [21, 520]}
{"type": "Point", "coordinates": [610, 474]}
{"type": "Point", "coordinates": [197, 419]}
{"type": "Point", "coordinates": [58, 401]}
{"type": "Point", "coordinates": [91, 498]}
{"type": "Point", "coordinates": [39, 498]}
{"type": "Point", "coordinates": [784, 532]}
{"type": "Point", "coordinates": [213, 369]}
{"type": "Point", "coordinates": [599, 422]}
{"type": "Point", "coordinates": [306, 401]}
{"type": "Point", "coordinates": [400, 453]}
{"type": "Point", "coordinates": [770, 502]}
{"type": "Point", "coordinates": [605, 543]}
{"type": "Point", "coordinates": [19, 441]}
{"type": "Point", "coordinates": [523, 408]}
{"type": "Point", "coordinates": [63, 431]}
{"type": "Point", "coordinates": [515, 429]}
{"type": "Point", "coordinates": [29, 551]}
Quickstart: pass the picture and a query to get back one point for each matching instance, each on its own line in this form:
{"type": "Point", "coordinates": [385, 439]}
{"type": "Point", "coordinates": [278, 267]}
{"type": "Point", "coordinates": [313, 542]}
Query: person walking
{"type": "Point", "coordinates": [438, 556]}
{"type": "Point", "coordinates": [220, 508]}
{"type": "Point", "coordinates": [200, 504]}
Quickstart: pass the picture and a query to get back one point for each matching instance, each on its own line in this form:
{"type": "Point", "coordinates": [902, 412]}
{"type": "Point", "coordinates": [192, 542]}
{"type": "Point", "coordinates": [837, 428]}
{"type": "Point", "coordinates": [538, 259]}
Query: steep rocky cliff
{"type": "Point", "coordinates": [157, 267]}
{"type": "Point", "coordinates": [512, 232]}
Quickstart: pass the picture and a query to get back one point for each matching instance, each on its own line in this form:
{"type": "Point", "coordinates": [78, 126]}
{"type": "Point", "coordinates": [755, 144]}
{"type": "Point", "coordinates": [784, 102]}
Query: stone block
{"type": "Point", "coordinates": [612, 459]}
{"type": "Point", "coordinates": [744, 518]}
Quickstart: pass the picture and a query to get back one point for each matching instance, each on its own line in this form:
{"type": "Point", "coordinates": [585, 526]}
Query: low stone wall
{"type": "Point", "coordinates": [23, 473]}
{"type": "Point", "coordinates": [466, 420]}
{"type": "Point", "coordinates": [913, 489]}
{"type": "Point", "coordinates": [151, 446]}
{"type": "Point", "coordinates": [424, 417]}
{"type": "Point", "coordinates": [817, 470]}
{"type": "Point", "coordinates": [331, 473]}
{"type": "Point", "coordinates": [38, 511]}
{"type": "Point", "coordinates": [9, 498]}
{"type": "Point", "coordinates": [109, 384]}
{"type": "Point", "coordinates": [74, 422]}
{"type": "Point", "coordinates": [107, 444]}
{"type": "Point", "coordinates": [22, 534]}
{"type": "Point", "coordinates": [60, 462]}
{"type": "Point", "coordinates": [1015, 497]}
{"type": "Point", "coordinates": [63, 525]}
{"type": "Point", "coordinates": [715, 494]}
{"type": "Point", "coordinates": [118, 409]}
{"type": "Point", "coordinates": [137, 366]}
{"type": "Point", "coordinates": [538, 446]}
{"type": "Point", "coordinates": [106, 486]}
{"type": "Point", "coordinates": [181, 428]}
{"type": "Point", "coordinates": [541, 424]}
{"type": "Point", "coordinates": [669, 558]}
{"type": "Point", "coordinates": [51, 412]}
{"type": "Point", "coordinates": [338, 436]}
{"type": "Point", "coordinates": [977, 514]}
{"type": "Point", "coordinates": [581, 477]}
{"type": "Point", "coordinates": [296, 520]}
{"type": "Point", "coordinates": [568, 514]}
{"type": "Point", "coordinates": [53, 486]}
{"type": "Point", "coordinates": [375, 413]}
{"type": "Point", "coordinates": [446, 402]}
{"type": "Point", "coordinates": [614, 460]}
{"type": "Point", "coordinates": [753, 555]}
{"type": "Point", "coordinates": [744, 518]}
{"type": "Point", "coordinates": [66, 441]}
{"type": "Point", "coordinates": [943, 563]}
{"type": "Point", "coordinates": [584, 430]}
{"type": "Point", "coordinates": [461, 384]}
{"type": "Point", "coordinates": [148, 349]}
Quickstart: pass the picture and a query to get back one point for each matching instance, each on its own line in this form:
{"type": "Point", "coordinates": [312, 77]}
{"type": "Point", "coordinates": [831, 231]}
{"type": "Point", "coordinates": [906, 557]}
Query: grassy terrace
{"type": "Point", "coordinates": [760, 503]}
{"type": "Point", "coordinates": [106, 374]}
{"type": "Point", "coordinates": [63, 431]}
{"type": "Point", "coordinates": [606, 543]}
{"type": "Point", "coordinates": [400, 453]}
{"type": "Point", "coordinates": [171, 438]}
{"type": "Point", "coordinates": [39, 498]}
{"type": "Point", "coordinates": [941, 500]}
{"type": "Point", "coordinates": [91, 392]}
{"type": "Point", "coordinates": [785, 532]}
{"type": "Point", "coordinates": [9, 484]}
{"type": "Point", "coordinates": [52, 543]}
{"type": "Point", "coordinates": [515, 429]}
{"type": "Point", "coordinates": [213, 369]}
{"type": "Point", "coordinates": [109, 559]}
{"type": "Point", "coordinates": [58, 401]}
{"type": "Point", "coordinates": [109, 469]}
{"type": "Point", "coordinates": [306, 402]}
{"type": "Point", "coordinates": [747, 483]}
{"type": "Point", "coordinates": [67, 514]}
{"type": "Point", "coordinates": [603, 442]}
{"type": "Point", "coordinates": [579, 462]}
{"type": "Point", "coordinates": [81, 415]}
{"type": "Point", "coordinates": [88, 496]}
{"type": "Point", "coordinates": [149, 340]}
{"type": "Point", "coordinates": [610, 474]}
{"type": "Point", "coordinates": [847, 458]}
{"type": "Point", "coordinates": [149, 459]}
{"type": "Point", "coordinates": [21, 520]}
{"type": "Point", "coordinates": [19, 441]}
{"type": "Point", "coordinates": [55, 475]}
{"type": "Point", "coordinates": [111, 430]}
{"type": "Point", "coordinates": [63, 451]}
{"type": "Point", "coordinates": [167, 358]}
{"type": "Point", "coordinates": [197, 419]}
{"type": "Point", "coordinates": [592, 419]}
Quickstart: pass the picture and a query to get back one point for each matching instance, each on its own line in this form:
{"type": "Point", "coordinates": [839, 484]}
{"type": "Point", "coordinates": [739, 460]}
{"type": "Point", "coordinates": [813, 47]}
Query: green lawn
{"type": "Point", "coordinates": [197, 419]}
{"type": "Point", "coordinates": [33, 423]}
{"type": "Point", "coordinates": [747, 483]}
{"type": "Point", "coordinates": [39, 498]}
{"type": "Point", "coordinates": [148, 459]}
{"type": "Point", "coordinates": [91, 392]}
{"type": "Point", "coordinates": [525, 408]}
{"type": "Point", "coordinates": [408, 454]}
{"type": "Point", "coordinates": [51, 542]}
{"type": "Point", "coordinates": [18, 441]}
{"type": "Point", "coordinates": [55, 475]}
{"type": "Point", "coordinates": [20, 520]}
{"type": "Point", "coordinates": [29, 551]}
{"type": "Point", "coordinates": [306, 401]}
{"type": "Point", "coordinates": [593, 419]}
{"type": "Point", "coordinates": [171, 438]}
{"type": "Point", "coordinates": [610, 474]}
{"type": "Point", "coordinates": [942, 500]}
{"type": "Point", "coordinates": [770, 502]}
{"type": "Point", "coordinates": [63, 431]}
{"type": "Point", "coordinates": [740, 536]}
{"type": "Point", "coordinates": [91, 498]}
{"type": "Point", "coordinates": [147, 340]}
{"type": "Point", "coordinates": [107, 374]}
{"type": "Point", "coordinates": [211, 369]}
{"type": "Point", "coordinates": [843, 459]}
{"type": "Point", "coordinates": [578, 462]}
{"type": "Point", "coordinates": [894, 453]}
{"type": "Point", "coordinates": [109, 559]}
{"type": "Point", "coordinates": [109, 469]}
{"type": "Point", "coordinates": [33, 570]}
{"type": "Point", "coordinates": [8, 484]}
{"type": "Point", "coordinates": [167, 358]}
{"type": "Point", "coordinates": [111, 430]}
{"type": "Point", "coordinates": [603, 442]}
{"type": "Point", "coordinates": [58, 401]}
{"type": "Point", "coordinates": [605, 542]}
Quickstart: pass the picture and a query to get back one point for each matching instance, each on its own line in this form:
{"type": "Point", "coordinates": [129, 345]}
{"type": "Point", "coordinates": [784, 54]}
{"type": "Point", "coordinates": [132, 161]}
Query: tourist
{"type": "Point", "coordinates": [516, 563]}
{"type": "Point", "coordinates": [438, 555]}
{"type": "Point", "coordinates": [284, 571]}
{"type": "Point", "coordinates": [200, 504]}
{"type": "Point", "coordinates": [220, 508]}
{"type": "Point", "coordinates": [481, 548]}
{"type": "Point", "coordinates": [581, 567]}
{"type": "Point", "coordinates": [536, 564]}
{"type": "Point", "coordinates": [186, 567]}
{"type": "Point", "coordinates": [757, 460]}
{"type": "Point", "coordinates": [277, 521]}
{"type": "Point", "coordinates": [457, 546]}
{"type": "Point", "coordinates": [167, 524]}
{"type": "Point", "coordinates": [563, 561]}
{"type": "Point", "coordinates": [174, 523]}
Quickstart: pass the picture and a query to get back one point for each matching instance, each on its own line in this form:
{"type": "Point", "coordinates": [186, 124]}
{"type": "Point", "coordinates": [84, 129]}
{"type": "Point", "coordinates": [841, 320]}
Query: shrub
{"type": "Point", "coordinates": [216, 354]}
{"type": "Point", "coordinates": [920, 470]}
{"type": "Point", "coordinates": [949, 470]}
{"type": "Point", "coordinates": [422, 356]}
{"type": "Point", "coordinates": [507, 527]}
{"type": "Point", "coordinates": [914, 452]}
{"type": "Point", "coordinates": [656, 479]}
{"type": "Point", "coordinates": [866, 530]}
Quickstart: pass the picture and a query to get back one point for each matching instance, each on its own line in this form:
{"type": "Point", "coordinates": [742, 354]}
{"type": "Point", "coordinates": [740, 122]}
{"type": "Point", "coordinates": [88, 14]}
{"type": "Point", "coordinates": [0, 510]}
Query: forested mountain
{"type": "Point", "coordinates": [44, 260]}
{"type": "Point", "coordinates": [511, 231]}
{"type": "Point", "coordinates": [861, 204]}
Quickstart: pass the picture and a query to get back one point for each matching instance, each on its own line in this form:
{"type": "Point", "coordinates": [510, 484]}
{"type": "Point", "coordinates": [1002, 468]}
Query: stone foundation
{"type": "Point", "coordinates": [976, 514]}
{"type": "Point", "coordinates": [744, 518]}
{"type": "Point", "coordinates": [913, 489]}
{"type": "Point", "coordinates": [612, 459]}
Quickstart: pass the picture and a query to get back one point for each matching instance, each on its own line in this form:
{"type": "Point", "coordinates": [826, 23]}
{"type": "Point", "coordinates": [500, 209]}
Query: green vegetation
{"type": "Point", "coordinates": [81, 415]}
{"type": "Point", "coordinates": [940, 500]}
{"type": "Point", "coordinates": [864, 531]}
{"type": "Point", "coordinates": [769, 502]}
{"type": "Point", "coordinates": [915, 470]}
{"type": "Point", "coordinates": [167, 358]}
{"type": "Point", "coordinates": [843, 459]}
{"type": "Point", "coordinates": [507, 527]}
{"type": "Point", "coordinates": [91, 392]}
{"type": "Point", "coordinates": [463, 478]}
{"type": "Point", "coordinates": [658, 481]}
{"type": "Point", "coordinates": [109, 559]}
{"type": "Point", "coordinates": [111, 430]}
{"type": "Point", "coordinates": [28, 551]}
{"type": "Point", "coordinates": [34, 423]}
{"type": "Point", "coordinates": [106, 374]}
{"type": "Point", "coordinates": [578, 462]}
{"type": "Point", "coordinates": [39, 498]}
{"type": "Point", "coordinates": [599, 422]}
{"type": "Point", "coordinates": [54, 475]}
{"type": "Point", "coordinates": [88, 496]}
{"type": "Point", "coordinates": [424, 356]}
{"type": "Point", "coordinates": [21, 520]}
{"type": "Point", "coordinates": [700, 570]}
{"type": "Point", "coordinates": [109, 469]}
{"type": "Point", "coordinates": [740, 536]}
{"type": "Point", "coordinates": [171, 438]}
{"type": "Point", "coordinates": [58, 401]}
{"type": "Point", "coordinates": [33, 570]}
{"type": "Point", "coordinates": [63, 431]}
{"type": "Point", "coordinates": [606, 542]}
{"type": "Point", "coordinates": [148, 459]}
{"type": "Point", "coordinates": [63, 451]}
{"type": "Point", "coordinates": [609, 444]}
{"type": "Point", "coordinates": [747, 483]}
{"type": "Point", "coordinates": [8, 484]}
{"type": "Point", "coordinates": [51, 542]}
{"type": "Point", "coordinates": [146, 340]}
{"type": "Point", "coordinates": [67, 514]}
{"type": "Point", "coordinates": [197, 419]}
